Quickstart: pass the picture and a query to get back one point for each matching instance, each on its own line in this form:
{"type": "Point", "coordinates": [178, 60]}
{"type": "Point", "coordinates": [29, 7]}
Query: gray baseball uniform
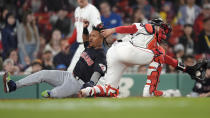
{"type": "Point", "coordinates": [63, 82]}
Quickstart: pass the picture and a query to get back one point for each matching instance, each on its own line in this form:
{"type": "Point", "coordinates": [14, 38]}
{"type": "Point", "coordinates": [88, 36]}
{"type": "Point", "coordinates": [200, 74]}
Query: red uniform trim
{"type": "Point", "coordinates": [102, 93]}
{"type": "Point", "coordinates": [149, 28]}
{"type": "Point", "coordinates": [73, 37]}
{"type": "Point", "coordinates": [131, 29]}
{"type": "Point", "coordinates": [171, 61]}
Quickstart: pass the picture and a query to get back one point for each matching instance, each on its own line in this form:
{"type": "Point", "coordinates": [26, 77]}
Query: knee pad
{"type": "Point", "coordinates": [159, 55]}
{"type": "Point", "coordinates": [153, 75]}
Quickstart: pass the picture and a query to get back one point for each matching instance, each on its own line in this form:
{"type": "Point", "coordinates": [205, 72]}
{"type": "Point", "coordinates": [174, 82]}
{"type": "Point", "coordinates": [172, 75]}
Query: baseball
{"type": "Point", "coordinates": [198, 73]}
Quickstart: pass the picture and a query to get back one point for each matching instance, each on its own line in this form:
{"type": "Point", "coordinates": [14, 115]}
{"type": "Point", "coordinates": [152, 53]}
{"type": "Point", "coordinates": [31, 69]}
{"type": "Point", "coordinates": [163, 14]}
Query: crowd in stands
{"type": "Point", "coordinates": [34, 33]}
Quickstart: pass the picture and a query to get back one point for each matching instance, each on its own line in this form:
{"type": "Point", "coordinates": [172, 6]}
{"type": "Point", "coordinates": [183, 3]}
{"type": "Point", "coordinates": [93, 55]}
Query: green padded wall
{"type": "Point", "coordinates": [130, 85]}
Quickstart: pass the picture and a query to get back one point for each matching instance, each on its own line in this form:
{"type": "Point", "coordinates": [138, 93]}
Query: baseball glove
{"type": "Point", "coordinates": [198, 71]}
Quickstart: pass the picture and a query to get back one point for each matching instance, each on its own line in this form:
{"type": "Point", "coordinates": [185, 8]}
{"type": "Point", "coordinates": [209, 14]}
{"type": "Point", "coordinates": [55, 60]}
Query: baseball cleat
{"type": "Point", "coordinates": [45, 94]}
{"type": "Point", "coordinates": [6, 79]}
{"type": "Point", "coordinates": [86, 92]}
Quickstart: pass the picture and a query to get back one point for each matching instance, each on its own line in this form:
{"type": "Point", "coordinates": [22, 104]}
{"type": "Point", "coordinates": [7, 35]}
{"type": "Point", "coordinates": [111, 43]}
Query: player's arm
{"type": "Point", "coordinates": [73, 38]}
{"type": "Point", "coordinates": [131, 29]}
{"type": "Point", "coordinates": [99, 70]}
{"type": "Point", "coordinates": [196, 71]}
{"type": "Point", "coordinates": [85, 35]}
{"type": "Point", "coordinates": [93, 81]}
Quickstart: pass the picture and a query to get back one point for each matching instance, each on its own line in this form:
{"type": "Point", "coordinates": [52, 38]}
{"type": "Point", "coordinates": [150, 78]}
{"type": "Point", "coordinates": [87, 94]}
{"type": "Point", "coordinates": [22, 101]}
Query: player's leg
{"type": "Point", "coordinates": [53, 77]}
{"type": "Point", "coordinates": [122, 55]}
{"type": "Point", "coordinates": [75, 58]}
{"type": "Point", "coordinates": [112, 77]}
{"type": "Point", "coordinates": [133, 55]}
{"type": "Point", "coordinates": [69, 87]}
{"type": "Point", "coordinates": [118, 57]}
{"type": "Point", "coordinates": [153, 73]}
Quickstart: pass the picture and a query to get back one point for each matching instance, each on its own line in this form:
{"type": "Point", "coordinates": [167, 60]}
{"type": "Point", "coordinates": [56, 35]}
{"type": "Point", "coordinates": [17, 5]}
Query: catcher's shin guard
{"type": "Point", "coordinates": [153, 75]}
{"type": "Point", "coordinates": [99, 91]}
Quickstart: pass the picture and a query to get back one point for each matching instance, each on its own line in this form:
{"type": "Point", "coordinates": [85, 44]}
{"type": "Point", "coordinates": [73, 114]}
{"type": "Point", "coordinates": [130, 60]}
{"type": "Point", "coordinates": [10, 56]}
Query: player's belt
{"type": "Point", "coordinates": [119, 41]}
{"type": "Point", "coordinates": [80, 43]}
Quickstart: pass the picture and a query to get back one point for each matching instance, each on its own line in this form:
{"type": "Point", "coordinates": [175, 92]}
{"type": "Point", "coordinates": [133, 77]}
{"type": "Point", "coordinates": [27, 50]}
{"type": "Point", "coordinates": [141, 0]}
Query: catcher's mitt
{"type": "Point", "coordinates": [198, 71]}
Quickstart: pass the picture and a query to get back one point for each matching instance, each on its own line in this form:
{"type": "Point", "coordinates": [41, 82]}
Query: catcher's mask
{"type": "Point", "coordinates": [159, 22]}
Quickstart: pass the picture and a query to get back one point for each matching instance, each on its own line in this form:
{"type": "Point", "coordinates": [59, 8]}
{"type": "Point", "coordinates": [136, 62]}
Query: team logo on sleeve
{"type": "Point", "coordinates": [103, 67]}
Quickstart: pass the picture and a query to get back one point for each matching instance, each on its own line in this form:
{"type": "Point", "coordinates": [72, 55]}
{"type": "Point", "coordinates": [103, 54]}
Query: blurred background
{"type": "Point", "coordinates": [52, 23]}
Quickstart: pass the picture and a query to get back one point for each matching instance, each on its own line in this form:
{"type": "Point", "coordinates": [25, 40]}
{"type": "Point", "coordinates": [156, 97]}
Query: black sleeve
{"type": "Point", "coordinates": [86, 34]}
{"type": "Point", "coordinates": [86, 43]}
{"type": "Point", "coordinates": [100, 66]}
{"type": "Point", "coordinates": [85, 31]}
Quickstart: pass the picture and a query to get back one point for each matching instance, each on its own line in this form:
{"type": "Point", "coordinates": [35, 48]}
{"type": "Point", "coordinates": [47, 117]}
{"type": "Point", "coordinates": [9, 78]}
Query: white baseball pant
{"type": "Point", "coordinates": [120, 56]}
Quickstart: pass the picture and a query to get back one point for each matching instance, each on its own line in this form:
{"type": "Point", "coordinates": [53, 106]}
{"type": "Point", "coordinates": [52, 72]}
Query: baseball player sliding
{"type": "Point", "coordinates": [140, 47]}
{"type": "Point", "coordinates": [84, 12]}
{"type": "Point", "coordinates": [88, 70]}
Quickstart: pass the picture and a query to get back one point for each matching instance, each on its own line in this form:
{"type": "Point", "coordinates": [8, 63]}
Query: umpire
{"type": "Point", "coordinates": [90, 67]}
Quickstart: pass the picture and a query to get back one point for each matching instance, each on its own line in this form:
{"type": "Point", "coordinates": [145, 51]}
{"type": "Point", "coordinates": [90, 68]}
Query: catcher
{"type": "Point", "coordinates": [140, 47]}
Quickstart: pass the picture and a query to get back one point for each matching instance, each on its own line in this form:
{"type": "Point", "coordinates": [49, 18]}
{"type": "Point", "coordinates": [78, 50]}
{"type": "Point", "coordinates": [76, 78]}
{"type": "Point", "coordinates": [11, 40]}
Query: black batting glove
{"type": "Point", "coordinates": [88, 84]}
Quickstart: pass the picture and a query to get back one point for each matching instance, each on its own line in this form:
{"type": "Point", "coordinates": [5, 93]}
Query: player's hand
{"type": "Point", "coordinates": [85, 23]}
{"type": "Point", "coordinates": [88, 84]}
{"type": "Point", "coordinates": [108, 32]}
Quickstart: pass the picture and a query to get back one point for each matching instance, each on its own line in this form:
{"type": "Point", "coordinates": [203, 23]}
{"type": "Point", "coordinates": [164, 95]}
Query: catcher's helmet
{"type": "Point", "coordinates": [159, 22]}
{"type": "Point", "coordinates": [156, 21]}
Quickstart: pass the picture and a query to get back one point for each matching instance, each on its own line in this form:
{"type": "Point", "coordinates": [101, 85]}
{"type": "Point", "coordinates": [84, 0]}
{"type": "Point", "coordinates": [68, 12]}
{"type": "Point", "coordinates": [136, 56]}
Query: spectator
{"type": "Point", "coordinates": [203, 44]}
{"type": "Point", "coordinates": [61, 67]}
{"type": "Point", "coordinates": [9, 37]}
{"type": "Point", "coordinates": [179, 52]}
{"type": "Point", "coordinates": [188, 13]}
{"type": "Point", "coordinates": [13, 54]}
{"type": "Point", "coordinates": [54, 44]}
{"type": "Point", "coordinates": [55, 5]}
{"type": "Point", "coordinates": [28, 38]}
{"type": "Point", "coordinates": [145, 7]}
{"type": "Point", "coordinates": [167, 13]}
{"type": "Point", "coordinates": [35, 66]}
{"type": "Point", "coordinates": [138, 17]}
{"type": "Point", "coordinates": [109, 18]}
{"type": "Point", "coordinates": [187, 40]}
{"type": "Point", "coordinates": [37, 5]}
{"type": "Point", "coordinates": [47, 62]}
{"type": "Point", "coordinates": [198, 25]}
{"type": "Point", "coordinates": [1, 64]}
{"type": "Point", "coordinates": [170, 69]}
{"type": "Point", "coordinates": [63, 57]}
{"type": "Point", "coordinates": [3, 18]}
{"type": "Point", "coordinates": [189, 60]}
{"type": "Point", "coordinates": [63, 23]}
{"type": "Point", "coordinates": [42, 46]}
{"type": "Point", "coordinates": [8, 66]}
